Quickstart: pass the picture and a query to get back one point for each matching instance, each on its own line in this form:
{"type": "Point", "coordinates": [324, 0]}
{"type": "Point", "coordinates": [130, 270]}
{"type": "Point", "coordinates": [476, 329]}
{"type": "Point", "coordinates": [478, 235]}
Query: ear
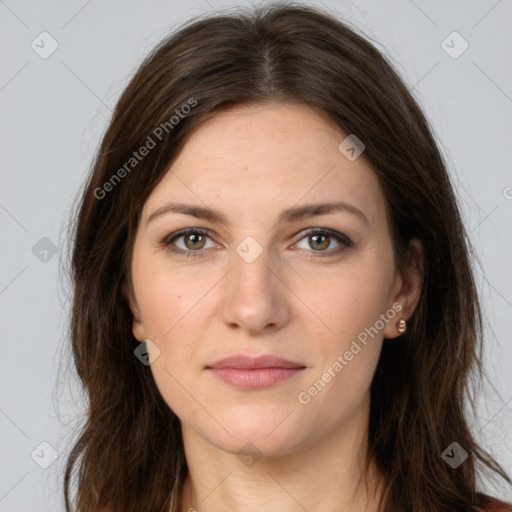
{"type": "Point", "coordinates": [137, 326]}
{"type": "Point", "coordinates": [407, 287]}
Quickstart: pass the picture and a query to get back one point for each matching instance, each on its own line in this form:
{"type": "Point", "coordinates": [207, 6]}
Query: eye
{"type": "Point", "coordinates": [193, 239]}
{"type": "Point", "coordinates": [321, 239]}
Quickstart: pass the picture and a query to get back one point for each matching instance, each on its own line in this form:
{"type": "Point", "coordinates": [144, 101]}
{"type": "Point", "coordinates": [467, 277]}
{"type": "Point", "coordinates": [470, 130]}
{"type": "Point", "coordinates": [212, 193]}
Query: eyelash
{"type": "Point", "coordinates": [339, 237]}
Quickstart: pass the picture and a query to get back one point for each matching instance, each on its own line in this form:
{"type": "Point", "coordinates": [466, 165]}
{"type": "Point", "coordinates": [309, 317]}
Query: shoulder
{"type": "Point", "coordinates": [493, 505]}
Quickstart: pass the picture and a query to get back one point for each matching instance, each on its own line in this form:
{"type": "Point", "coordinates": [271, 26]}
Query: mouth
{"type": "Point", "coordinates": [261, 372]}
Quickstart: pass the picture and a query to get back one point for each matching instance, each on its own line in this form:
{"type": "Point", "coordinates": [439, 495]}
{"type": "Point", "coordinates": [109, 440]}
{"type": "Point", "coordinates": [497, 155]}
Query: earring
{"type": "Point", "coordinates": [401, 326]}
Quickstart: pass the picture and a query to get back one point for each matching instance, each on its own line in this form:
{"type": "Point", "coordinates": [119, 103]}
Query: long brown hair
{"type": "Point", "coordinates": [129, 454]}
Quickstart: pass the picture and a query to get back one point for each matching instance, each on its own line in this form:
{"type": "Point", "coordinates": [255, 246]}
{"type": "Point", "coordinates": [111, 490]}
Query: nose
{"type": "Point", "coordinates": [256, 298]}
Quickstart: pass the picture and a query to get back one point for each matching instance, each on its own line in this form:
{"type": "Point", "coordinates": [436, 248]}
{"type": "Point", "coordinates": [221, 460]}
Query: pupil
{"type": "Point", "coordinates": [316, 239]}
{"type": "Point", "coordinates": [194, 238]}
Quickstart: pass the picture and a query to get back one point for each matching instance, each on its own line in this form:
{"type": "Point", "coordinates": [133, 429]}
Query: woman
{"type": "Point", "coordinates": [274, 304]}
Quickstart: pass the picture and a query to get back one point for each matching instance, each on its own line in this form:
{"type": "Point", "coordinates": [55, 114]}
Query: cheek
{"type": "Point", "coordinates": [347, 352]}
{"type": "Point", "coordinates": [354, 337]}
{"type": "Point", "coordinates": [348, 303]}
{"type": "Point", "coordinates": [168, 299]}
{"type": "Point", "coordinates": [349, 306]}
{"type": "Point", "coordinates": [172, 305]}
{"type": "Point", "coordinates": [169, 309]}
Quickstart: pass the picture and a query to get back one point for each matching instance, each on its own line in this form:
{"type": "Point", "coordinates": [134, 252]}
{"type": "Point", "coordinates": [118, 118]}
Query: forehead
{"type": "Point", "coordinates": [265, 158]}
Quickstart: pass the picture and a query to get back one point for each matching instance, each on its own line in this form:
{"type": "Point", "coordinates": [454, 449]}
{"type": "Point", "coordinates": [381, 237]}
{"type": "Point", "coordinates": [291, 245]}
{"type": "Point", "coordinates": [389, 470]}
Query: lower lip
{"type": "Point", "coordinates": [257, 378]}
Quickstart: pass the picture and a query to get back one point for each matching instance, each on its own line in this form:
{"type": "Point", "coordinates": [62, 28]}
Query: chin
{"type": "Point", "coordinates": [253, 441]}
{"type": "Point", "coordinates": [266, 434]}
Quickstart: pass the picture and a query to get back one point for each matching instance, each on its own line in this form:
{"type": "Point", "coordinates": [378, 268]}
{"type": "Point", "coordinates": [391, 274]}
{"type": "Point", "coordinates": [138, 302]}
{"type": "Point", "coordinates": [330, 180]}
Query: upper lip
{"type": "Point", "coordinates": [250, 362]}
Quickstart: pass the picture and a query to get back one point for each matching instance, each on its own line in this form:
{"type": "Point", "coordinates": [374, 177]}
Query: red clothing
{"type": "Point", "coordinates": [494, 505]}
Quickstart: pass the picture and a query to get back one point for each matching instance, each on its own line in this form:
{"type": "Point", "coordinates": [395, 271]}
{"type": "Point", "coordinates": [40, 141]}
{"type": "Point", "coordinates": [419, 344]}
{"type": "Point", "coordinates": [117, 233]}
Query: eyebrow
{"type": "Point", "coordinates": [292, 214]}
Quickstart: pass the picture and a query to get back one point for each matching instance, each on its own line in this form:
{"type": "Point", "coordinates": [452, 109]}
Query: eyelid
{"type": "Point", "coordinates": [185, 231]}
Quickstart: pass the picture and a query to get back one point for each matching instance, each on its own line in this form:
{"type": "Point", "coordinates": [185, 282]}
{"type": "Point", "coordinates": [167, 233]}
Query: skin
{"type": "Point", "coordinates": [295, 300]}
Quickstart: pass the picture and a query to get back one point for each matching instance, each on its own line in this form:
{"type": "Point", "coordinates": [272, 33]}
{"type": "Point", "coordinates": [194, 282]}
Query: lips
{"type": "Point", "coordinates": [260, 362]}
{"type": "Point", "coordinates": [245, 372]}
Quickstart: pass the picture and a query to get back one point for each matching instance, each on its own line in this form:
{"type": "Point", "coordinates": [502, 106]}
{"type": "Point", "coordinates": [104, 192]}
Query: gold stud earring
{"type": "Point", "coordinates": [401, 326]}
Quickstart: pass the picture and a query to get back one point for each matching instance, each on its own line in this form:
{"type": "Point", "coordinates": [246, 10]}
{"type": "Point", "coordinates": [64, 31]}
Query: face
{"type": "Point", "coordinates": [312, 291]}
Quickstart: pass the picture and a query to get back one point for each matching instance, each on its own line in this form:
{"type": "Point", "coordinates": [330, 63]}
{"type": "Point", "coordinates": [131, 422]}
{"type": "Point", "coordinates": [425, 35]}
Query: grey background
{"type": "Point", "coordinates": [54, 112]}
